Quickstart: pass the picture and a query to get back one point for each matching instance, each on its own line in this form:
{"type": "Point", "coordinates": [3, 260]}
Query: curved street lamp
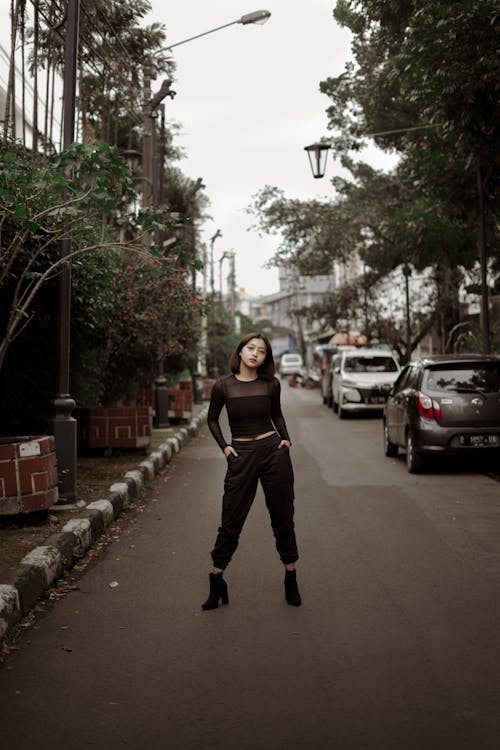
{"type": "Point", "coordinates": [150, 170]}
{"type": "Point", "coordinates": [257, 16]}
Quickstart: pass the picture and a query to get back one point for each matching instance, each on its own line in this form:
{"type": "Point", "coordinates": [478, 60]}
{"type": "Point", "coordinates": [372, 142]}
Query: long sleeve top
{"type": "Point", "coordinates": [253, 408]}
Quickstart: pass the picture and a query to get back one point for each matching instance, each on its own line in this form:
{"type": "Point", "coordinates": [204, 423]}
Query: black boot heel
{"type": "Point", "coordinates": [291, 591]}
{"type": "Point", "coordinates": [218, 591]}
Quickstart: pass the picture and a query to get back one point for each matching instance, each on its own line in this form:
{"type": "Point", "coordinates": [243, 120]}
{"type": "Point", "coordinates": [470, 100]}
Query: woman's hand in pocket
{"type": "Point", "coordinates": [229, 451]}
{"type": "Point", "coordinates": [285, 442]}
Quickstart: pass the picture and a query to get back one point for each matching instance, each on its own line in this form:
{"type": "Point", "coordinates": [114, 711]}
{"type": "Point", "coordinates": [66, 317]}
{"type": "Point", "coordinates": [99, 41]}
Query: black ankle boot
{"type": "Point", "coordinates": [291, 591]}
{"type": "Point", "coordinates": [218, 590]}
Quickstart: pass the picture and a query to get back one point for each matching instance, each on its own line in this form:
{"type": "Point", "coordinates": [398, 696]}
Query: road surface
{"type": "Point", "coordinates": [396, 646]}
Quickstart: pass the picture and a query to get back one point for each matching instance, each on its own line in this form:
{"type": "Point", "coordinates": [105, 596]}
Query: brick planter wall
{"type": "Point", "coordinates": [28, 474]}
{"type": "Point", "coordinates": [180, 403]}
{"type": "Point", "coordinates": [208, 384]}
{"type": "Point", "coordinates": [114, 427]}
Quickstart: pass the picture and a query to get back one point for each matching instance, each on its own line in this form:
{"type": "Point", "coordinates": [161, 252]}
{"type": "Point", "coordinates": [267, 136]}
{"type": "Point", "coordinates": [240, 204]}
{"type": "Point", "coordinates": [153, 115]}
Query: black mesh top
{"type": "Point", "coordinates": [253, 408]}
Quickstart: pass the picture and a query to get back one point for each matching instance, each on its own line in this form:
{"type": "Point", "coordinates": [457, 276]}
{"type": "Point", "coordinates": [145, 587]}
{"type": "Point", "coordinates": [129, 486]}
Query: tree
{"type": "Point", "coordinates": [417, 65]}
{"type": "Point", "coordinates": [113, 321]}
{"type": "Point", "coordinates": [98, 212]}
{"type": "Point", "coordinates": [157, 315]}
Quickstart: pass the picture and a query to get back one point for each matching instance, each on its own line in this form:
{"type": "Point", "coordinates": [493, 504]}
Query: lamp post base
{"type": "Point", "coordinates": [198, 388]}
{"type": "Point", "coordinates": [64, 431]}
{"type": "Point", "coordinates": [161, 402]}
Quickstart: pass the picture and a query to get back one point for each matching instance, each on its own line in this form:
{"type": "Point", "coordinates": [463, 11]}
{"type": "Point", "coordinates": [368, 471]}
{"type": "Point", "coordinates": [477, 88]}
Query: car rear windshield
{"type": "Point", "coordinates": [370, 364]}
{"type": "Point", "coordinates": [483, 376]}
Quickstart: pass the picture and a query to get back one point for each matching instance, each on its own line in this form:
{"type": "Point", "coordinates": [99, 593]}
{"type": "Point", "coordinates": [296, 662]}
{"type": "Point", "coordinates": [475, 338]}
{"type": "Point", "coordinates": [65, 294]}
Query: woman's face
{"type": "Point", "coordinates": [254, 353]}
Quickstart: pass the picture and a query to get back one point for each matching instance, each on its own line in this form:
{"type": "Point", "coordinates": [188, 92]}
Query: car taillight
{"type": "Point", "coordinates": [428, 407]}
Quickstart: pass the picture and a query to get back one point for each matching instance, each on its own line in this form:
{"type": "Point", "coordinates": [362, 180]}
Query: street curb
{"type": "Point", "coordinates": [43, 566]}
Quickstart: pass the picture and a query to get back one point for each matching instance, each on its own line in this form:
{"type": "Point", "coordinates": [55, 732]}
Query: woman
{"type": "Point", "coordinates": [259, 450]}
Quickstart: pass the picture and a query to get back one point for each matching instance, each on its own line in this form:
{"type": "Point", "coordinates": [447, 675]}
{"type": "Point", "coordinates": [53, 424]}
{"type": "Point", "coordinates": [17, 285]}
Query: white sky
{"type": "Point", "coordinates": [248, 101]}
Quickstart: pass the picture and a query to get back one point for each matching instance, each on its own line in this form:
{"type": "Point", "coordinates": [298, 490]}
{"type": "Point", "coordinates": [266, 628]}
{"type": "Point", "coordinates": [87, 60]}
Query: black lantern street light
{"type": "Point", "coordinates": [317, 153]}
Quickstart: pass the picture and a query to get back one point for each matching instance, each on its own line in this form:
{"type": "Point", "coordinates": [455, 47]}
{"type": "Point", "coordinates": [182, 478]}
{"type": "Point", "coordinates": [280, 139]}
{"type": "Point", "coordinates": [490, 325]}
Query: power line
{"type": "Point", "coordinates": [402, 130]}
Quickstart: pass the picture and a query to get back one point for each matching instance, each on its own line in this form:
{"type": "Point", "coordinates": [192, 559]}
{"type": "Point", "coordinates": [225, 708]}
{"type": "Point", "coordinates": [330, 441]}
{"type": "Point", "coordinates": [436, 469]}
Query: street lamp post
{"type": "Point", "coordinates": [255, 17]}
{"type": "Point", "coordinates": [151, 196]}
{"type": "Point", "coordinates": [64, 425]}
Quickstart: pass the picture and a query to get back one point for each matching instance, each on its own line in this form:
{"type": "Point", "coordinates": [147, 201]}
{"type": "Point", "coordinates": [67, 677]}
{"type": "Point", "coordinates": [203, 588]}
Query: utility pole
{"type": "Point", "coordinates": [215, 369]}
{"type": "Point", "coordinates": [152, 175]}
{"type": "Point", "coordinates": [485, 313]}
{"type": "Point", "coordinates": [147, 136]}
{"type": "Point", "coordinates": [232, 286]}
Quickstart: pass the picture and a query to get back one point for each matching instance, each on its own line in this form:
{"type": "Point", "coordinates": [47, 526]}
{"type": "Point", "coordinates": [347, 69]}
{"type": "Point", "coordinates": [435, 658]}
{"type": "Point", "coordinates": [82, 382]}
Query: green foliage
{"type": "Point", "coordinates": [124, 295]}
{"type": "Point", "coordinates": [416, 64]}
{"type": "Point", "coordinates": [130, 306]}
{"type": "Point", "coordinates": [156, 316]}
{"type": "Point", "coordinates": [77, 194]}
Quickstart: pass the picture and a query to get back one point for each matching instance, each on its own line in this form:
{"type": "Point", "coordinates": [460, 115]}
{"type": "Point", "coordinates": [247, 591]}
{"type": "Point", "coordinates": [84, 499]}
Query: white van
{"type": "Point", "coordinates": [291, 364]}
{"type": "Point", "coordinates": [362, 379]}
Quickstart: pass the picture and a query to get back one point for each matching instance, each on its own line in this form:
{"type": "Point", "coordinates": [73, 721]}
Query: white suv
{"type": "Point", "coordinates": [362, 379]}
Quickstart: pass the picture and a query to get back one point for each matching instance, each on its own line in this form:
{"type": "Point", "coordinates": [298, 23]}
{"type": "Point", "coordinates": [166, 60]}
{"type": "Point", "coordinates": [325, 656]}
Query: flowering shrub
{"type": "Point", "coordinates": [156, 316]}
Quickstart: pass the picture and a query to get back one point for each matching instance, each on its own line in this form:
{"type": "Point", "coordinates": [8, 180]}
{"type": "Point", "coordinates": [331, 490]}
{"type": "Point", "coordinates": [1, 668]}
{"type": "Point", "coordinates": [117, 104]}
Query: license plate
{"type": "Point", "coordinates": [376, 399]}
{"type": "Point", "coordinates": [478, 441]}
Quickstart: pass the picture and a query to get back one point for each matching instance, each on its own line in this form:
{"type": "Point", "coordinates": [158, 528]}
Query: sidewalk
{"type": "Point", "coordinates": [23, 584]}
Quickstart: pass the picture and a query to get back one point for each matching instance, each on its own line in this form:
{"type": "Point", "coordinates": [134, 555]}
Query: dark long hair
{"type": "Point", "coordinates": [266, 369]}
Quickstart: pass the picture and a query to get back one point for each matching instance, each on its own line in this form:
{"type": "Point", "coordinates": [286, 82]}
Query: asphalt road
{"type": "Point", "coordinates": [396, 646]}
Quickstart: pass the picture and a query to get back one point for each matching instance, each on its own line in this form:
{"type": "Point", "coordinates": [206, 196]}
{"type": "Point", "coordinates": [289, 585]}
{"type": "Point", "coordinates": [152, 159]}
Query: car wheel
{"type": "Point", "coordinates": [414, 461]}
{"type": "Point", "coordinates": [390, 449]}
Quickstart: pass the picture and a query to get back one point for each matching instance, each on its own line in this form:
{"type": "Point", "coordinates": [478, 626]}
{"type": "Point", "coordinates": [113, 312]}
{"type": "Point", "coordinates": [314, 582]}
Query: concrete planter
{"type": "Point", "coordinates": [28, 474]}
{"type": "Point", "coordinates": [114, 427]}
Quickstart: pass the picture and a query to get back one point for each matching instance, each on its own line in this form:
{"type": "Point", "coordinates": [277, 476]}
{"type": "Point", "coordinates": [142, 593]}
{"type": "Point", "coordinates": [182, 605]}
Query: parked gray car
{"type": "Point", "coordinates": [444, 405]}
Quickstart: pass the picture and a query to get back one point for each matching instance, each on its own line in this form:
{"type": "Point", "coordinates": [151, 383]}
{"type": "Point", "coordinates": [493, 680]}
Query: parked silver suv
{"type": "Point", "coordinates": [362, 379]}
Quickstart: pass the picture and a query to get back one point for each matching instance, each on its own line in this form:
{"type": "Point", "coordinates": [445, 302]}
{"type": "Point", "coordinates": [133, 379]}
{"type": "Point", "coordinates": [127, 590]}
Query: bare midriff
{"type": "Point", "coordinates": [257, 437]}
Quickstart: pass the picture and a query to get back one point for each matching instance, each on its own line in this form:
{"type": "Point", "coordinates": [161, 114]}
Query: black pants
{"type": "Point", "coordinates": [257, 459]}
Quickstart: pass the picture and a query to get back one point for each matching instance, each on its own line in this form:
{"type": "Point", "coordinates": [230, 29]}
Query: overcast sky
{"type": "Point", "coordinates": [248, 100]}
